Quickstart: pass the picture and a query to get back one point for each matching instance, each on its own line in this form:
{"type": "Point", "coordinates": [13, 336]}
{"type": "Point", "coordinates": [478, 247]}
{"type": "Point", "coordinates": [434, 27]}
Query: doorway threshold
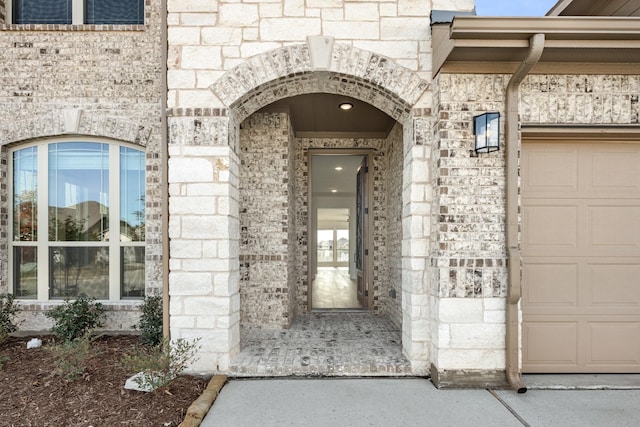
{"type": "Point", "coordinates": [325, 344]}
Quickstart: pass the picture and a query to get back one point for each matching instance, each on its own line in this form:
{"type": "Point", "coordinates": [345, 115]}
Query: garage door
{"type": "Point", "coordinates": [581, 256]}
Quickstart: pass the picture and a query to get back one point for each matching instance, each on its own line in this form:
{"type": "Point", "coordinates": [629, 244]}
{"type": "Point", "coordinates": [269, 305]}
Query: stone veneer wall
{"type": "Point", "coordinates": [100, 81]}
{"type": "Point", "coordinates": [392, 293]}
{"type": "Point", "coordinates": [468, 252]}
{"type": "Point", "coordinates": [267, 254]}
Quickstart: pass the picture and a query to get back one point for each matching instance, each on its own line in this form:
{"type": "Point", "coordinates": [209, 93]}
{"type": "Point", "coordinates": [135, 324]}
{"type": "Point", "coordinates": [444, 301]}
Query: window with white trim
{"type": "Point", "coordinates": [68, 198]}
{"type": "Point", "coordinates": [77, 12]}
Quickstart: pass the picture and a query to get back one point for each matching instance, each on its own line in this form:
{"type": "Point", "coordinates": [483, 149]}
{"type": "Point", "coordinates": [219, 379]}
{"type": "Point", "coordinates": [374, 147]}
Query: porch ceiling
{"type": "Point", "coordinates": [316, 115]}
{"type": "Point", "coordinates": [475, 44]}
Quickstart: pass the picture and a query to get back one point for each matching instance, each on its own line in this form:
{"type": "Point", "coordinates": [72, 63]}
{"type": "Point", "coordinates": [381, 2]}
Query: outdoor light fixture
{"type": "Point", "coordinates": [486, 129]}
{"type": "Point", "coordinates": [346, 106]}
{"type": "Point", "coordinates": [333, 190]}
{"type": "Point", "coordinates": [338, 168]}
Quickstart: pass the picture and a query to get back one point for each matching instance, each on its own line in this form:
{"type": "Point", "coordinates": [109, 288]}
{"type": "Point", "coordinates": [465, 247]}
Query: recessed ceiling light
{"type": "Point", "coordinates": [346, 106]}
{"type": "Point", "coordinates": [338, 168]}
{"type": "Point", "coordinates": [333, 190]}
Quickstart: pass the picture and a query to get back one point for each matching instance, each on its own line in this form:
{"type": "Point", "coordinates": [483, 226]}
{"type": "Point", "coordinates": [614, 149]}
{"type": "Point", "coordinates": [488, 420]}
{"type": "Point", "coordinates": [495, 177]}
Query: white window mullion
{"type": "Point", "coordinates": [77, 12]}
{"type": "Point", "coordinates": [114, 222]}
{"type": "Point", "coordinates": [43, 222]}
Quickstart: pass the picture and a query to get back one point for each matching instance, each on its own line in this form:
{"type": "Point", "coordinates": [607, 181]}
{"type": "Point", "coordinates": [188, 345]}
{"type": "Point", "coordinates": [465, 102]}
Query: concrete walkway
{"type": "Point", "coordinates": [413, 402]}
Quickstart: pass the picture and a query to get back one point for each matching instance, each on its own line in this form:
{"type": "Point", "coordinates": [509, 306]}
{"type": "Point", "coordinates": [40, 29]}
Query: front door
{"type": "Point", "coordinates": [362, 233]}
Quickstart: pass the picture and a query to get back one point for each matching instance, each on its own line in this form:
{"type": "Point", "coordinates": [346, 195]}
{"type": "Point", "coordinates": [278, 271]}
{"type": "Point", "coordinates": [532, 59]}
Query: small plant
{"type": "Point", "coordinates": [71, 357]}
{"type": "Point", "coordinates": [150, 324]}
{"type": "Point", "coordinates": [163, 363]}
{"type": "Point", "coordinates": [75, 319]}
{"type": "Point", "coordinates": [9, 309]}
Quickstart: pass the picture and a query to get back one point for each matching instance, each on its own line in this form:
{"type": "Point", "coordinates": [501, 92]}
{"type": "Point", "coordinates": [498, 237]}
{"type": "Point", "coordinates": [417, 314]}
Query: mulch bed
{"type": "Point", "coordinates": [32, 394]}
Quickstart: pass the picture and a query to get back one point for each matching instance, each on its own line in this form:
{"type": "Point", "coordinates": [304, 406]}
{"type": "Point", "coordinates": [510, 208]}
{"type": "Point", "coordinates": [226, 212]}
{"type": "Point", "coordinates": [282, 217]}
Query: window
{"type": "Point", "coordinates": [69, 248]}
{"type": "Point", "coordinates": [118, 12]}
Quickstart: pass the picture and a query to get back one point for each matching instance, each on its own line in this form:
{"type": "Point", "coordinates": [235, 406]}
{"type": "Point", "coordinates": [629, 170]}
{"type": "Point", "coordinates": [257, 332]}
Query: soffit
{"type": "Point", "coordinates": [491, 44]}
{"type": "Point", "coordinates": [596, 8]}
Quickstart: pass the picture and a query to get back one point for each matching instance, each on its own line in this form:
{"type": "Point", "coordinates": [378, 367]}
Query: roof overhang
{"type": "Point", "coordinates": [473, 44]}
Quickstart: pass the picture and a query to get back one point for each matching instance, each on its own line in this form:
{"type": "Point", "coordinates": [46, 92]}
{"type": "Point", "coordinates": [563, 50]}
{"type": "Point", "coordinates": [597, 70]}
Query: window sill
{"type": "Point", "coordinates": [65, 27]}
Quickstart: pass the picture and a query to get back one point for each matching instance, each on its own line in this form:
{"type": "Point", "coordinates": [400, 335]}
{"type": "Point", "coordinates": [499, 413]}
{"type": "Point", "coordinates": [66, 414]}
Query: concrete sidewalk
{"type": "Point", "coordinates": [413, 402]}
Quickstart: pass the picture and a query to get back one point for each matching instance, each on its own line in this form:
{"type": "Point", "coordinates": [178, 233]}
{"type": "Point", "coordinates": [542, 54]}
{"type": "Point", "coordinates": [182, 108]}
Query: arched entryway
{"type": "Point", "coordinates": [266, 166]}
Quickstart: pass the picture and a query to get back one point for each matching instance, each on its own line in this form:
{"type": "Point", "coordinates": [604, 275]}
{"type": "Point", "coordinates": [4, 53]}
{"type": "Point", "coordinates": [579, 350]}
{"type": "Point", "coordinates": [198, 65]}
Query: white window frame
{"type": "Point", "coordinates": [43, 244]}
{"type": "Point", "coordinates": [77, 11]}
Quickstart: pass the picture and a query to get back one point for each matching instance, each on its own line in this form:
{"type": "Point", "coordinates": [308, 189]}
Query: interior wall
{"type": "Point", "coordinates": [391, 294]}
{"type": "Point", "coordinates": [267, 271]}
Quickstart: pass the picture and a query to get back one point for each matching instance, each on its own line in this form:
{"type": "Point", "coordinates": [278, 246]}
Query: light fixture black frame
{"type": "Point", "coordinates": [486, 132]}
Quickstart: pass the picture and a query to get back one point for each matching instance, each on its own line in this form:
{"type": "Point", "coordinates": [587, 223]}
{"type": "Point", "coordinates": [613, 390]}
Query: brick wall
{"type": "Point", "coordinates": [108, 80]}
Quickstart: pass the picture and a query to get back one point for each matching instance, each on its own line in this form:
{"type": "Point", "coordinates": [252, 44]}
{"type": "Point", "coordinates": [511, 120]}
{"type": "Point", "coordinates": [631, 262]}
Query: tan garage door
{"type": "Point", "coordinates": [581, 256]}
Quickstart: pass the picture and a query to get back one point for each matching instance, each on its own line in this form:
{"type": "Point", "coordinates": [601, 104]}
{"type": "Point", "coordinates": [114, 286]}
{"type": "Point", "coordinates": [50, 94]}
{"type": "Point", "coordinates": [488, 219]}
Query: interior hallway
{"type": "Point", "coordinates": [338, 343]}
{"type": "Point", "coordinates": [333, 288]}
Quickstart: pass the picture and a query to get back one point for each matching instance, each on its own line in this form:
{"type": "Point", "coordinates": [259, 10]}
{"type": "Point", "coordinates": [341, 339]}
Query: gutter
{"type": "Point", "coordinates": [514, 258]}
{"type": "Point", "coordinates": [164, 173]}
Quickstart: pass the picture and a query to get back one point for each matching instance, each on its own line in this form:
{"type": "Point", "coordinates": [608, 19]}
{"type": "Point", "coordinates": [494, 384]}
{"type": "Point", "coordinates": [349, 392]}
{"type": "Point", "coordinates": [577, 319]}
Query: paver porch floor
{"type": "Point", "coordinates": [336, 343]}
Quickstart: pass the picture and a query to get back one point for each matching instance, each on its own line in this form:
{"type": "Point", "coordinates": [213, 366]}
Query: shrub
{"type": "Point", "coordinates": [71, 357]}
{"type": "Point", "coordinates": [150, 324]}
{"type": "Point", "coordinates": [163, 363]}
{"type": "Point", "coordinates": [75, 319]}
{"type": "Point", "coordinates": [9, 309]}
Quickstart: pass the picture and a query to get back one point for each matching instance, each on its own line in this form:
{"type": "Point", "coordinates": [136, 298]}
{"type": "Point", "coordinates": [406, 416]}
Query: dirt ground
{"type": "Point", "coordinates": [31, 394]}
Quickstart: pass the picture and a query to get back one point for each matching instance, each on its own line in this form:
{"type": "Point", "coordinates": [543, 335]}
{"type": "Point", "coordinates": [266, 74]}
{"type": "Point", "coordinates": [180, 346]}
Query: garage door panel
{"type": "Point", "coordinates": [550, 285]}
{"type": "Point", "coordinates": [614, 287]}
{"type": "Point", "coordinates": [614, 230]}
{"type": "Point", "coordinates": [614, 170]}
{"type": "Point", "coordinates": [550, 343]}
{"type": "Point", "coordinates": [581, 257]}
{"type": "Point", "coordinates": [612, 344]}
{"type": "Point", "coordinates": [548, 226]}
{"type": "Point", "coordinates": [550, 169]}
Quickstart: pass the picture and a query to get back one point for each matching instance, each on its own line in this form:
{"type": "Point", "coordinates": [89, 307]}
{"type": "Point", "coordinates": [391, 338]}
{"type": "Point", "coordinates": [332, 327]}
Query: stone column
{"type": "Point", "coordinates": [203, 224]}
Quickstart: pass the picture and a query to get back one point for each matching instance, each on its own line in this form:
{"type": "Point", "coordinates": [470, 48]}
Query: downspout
{"type": "Point", "coordinates": [514, 260]}
{"type": "Point", "coordinates": [164, 174]}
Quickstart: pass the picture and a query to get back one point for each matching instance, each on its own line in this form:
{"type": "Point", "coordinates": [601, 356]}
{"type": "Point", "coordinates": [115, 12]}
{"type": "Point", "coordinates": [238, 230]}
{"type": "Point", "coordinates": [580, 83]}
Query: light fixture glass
{"type": "Point", "coordinates": [486, 129]}
{"type": "Point", "coordinates": [338, 168]}
{"type": "Point", "coordinates": [333, 190]}
{"type": "Point", "coordinates": [346, 106]}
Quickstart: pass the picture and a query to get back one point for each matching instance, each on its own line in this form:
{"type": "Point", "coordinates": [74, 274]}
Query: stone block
{"type": "Point", "coordinates": [460, 310]}
{"type": "Point", "coordinates": [192, 205]}
{"type": "Point", "coordinates": [404, 29]}
{"type": "Point", "coordinates": [288, 29]}
{"type": "Point", "coordinates": [181, 78]}
{"type": "Point", "coordinates": [186, 248]}
{"type": "Point", "coordinates": [392, 49]}
{"type": "Point", "coordinates": [190, 283]}
{"type": "Point", "coordinates": [249, 49]}
{"type": "Point", "coordinates": [201, 57]}
{"type": "Point", "coordinates": [477, 336]}
{"type": "Point", "coordinates": [470, 359]}
{"type": "Point", "coordinates": [238, 15]}
{"type": "Point", "coordinates": [174, 6]}
{"type": "Point", "coordinates": [349, 30]}
{"type": "Point", "coordinates": [207, 305]}
{"type": "Point", "coordinates": [205, 227]}
{"type": "Point", "coordinates": [293, 7]}
{"type": "Point", "coordinates": [183, 36]}
{"type": "Point", "coordinates": [361, 12]}
{"type": "Point", "coordinates": [221, 36]}
{"type": "Point", "coordinates": [190, 170]}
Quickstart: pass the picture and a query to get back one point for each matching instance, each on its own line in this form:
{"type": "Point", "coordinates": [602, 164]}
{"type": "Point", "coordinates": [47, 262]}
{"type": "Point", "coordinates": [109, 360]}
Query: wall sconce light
{"type": "Point", "coordinates": [486, 130]}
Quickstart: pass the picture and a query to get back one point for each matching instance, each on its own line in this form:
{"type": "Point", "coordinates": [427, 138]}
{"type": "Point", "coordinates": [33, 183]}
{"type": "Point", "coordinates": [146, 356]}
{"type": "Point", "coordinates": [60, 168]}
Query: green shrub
{"type": "Point", "coordinates": [162, 364]}
{"type": "Point", "coordinates": [9, 309]}
{"type": "Point", "coordinates": [75, 319]}
{"type": "Point", "coordinates": [150, 325]}
{"type": "Point", "coordinates": [71, 357]}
